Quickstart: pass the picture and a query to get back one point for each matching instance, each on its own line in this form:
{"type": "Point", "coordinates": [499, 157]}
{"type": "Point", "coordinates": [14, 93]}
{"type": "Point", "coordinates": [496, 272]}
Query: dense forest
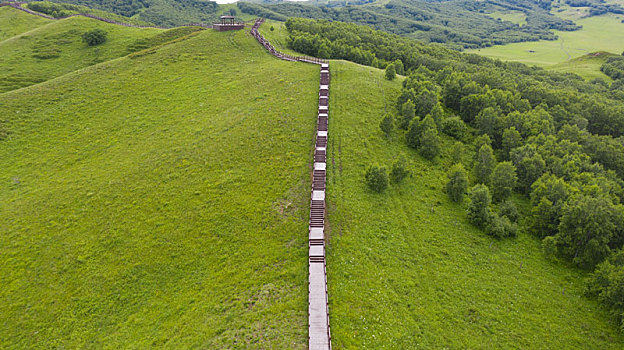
{"type": "Point", "coordinates": [552, 138]}
{"type": "Point", "coordinates": [614, 68]}
{"type": "Point", "coordinates": [458, 24]}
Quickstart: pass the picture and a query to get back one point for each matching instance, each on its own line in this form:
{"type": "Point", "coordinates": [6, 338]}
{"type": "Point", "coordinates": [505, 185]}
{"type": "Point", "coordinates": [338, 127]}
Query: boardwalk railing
{"type": "Point", "coordinates": [274, 52]}
{"type": "Point", "coordinates": [318, 310]}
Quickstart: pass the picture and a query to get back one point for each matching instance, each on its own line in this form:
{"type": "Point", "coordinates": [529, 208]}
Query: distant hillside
{"type": "Point", "coordinates": [166, 13]}
{"type": "Point", "coordinates": [457, 23]}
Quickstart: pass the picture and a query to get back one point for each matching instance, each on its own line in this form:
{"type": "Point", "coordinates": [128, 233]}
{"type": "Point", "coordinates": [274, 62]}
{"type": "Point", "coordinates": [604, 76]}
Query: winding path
{"type": "Point", "coordinates": [318, 311]}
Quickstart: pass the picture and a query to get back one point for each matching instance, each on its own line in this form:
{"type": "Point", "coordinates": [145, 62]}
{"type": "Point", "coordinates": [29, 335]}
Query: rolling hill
{"type": "Point", "coordinates": [44, 52]}
{"type": "Point", "coordinates": [159, 200]}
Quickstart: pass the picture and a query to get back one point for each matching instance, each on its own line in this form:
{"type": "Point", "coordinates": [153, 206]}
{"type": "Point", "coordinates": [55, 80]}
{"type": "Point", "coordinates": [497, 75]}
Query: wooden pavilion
{"type": "Point", "coordinates": [228, 23]}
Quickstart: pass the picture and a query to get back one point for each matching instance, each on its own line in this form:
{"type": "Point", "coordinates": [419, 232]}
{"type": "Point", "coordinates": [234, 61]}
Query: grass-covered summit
{"type": "Point", "coordinates": [41, 49]}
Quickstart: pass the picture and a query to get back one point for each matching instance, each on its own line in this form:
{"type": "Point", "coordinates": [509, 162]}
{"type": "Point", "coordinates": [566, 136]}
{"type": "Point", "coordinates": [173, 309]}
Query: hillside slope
{"type": "Point", "coordinates": [13, 22]}
{"type": "Point", "coordinates": [407, 271]}
{"type": "Point", "coordinates": [42, 53]}
{"type": "Point", "coordinates": [159, 201]}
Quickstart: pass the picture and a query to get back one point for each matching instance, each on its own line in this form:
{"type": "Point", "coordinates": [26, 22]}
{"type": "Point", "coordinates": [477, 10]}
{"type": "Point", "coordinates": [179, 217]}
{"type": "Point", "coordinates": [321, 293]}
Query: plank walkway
{"type": "Point", "coordinates": [319, 335]}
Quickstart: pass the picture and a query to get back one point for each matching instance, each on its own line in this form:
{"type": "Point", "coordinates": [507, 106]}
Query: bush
{"type": "Point", "coordinates": [479, 208]}
{"type": "Point", "coordinates": [94, 37]}
{"type": "Point", "coordinates": [458, 183]}
{"type": "Point", "coordinates": [500, 227]}
{"type": "Point", "coordinates": [399, 171]}
{"type": "Point", "coordinates": [376, 178]}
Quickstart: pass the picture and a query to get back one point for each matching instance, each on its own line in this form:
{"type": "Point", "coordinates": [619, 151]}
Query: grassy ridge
{"type": "Point", "coordinates": [56, 49]}
{"type": "Point", "coordinates": [159, 201]}
{"type": "Point", "coordinates": [587, 66]}
{"type": "Point", "coordinates": [14, 22]}
{"type": "Point", "coordinates": [407, 271]}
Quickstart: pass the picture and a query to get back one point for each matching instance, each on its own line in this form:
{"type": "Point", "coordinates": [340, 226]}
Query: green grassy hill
{"type": "Point", "coordinates": [587, 66]}
{"type": "Point", "coordinates": [14, 22]}
{"type": "Point", "coordinates": [159, 200]}
{"type": "Point", "coordinates": [407, 271]}
{"type": "Point", "coordinates": [42, 53]}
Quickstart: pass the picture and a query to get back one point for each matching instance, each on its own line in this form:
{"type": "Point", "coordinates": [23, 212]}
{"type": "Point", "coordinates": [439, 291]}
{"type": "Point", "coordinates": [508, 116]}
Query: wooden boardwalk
{"type": "Point", "coordinates": [319, 335]}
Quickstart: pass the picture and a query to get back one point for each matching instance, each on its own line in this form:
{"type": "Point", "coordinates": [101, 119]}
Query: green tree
{"type": "Point", "coordinates": [376, 178]}
{"type": "Point", "coordinates": [548, 197]}
{"type": "Point", "coordinates": [487, 122]}
{"type": "Point", "coordinates": [607, 283]}
{"type": "Point", "coordinates": [529, 164]}
{"type": "Point", "coordinates": [408, 113]}
{"type": "Point", "coordinates": [399, 170]}
{"type": "Point", "coordinates": [485, 164]}
{"type": "Point", "coordinates": [437, 113]}
{"type": "Point", "coordinates": [399, 67]}
{"type": "Point", "coordinates": [387, 124]}
{"type": "Point", "coordinates": [416, 130]}
{"type": "Point", "coordinates": [508, 209]}
{"type": "Point", "coordinates": [429, 144]}
{"type": "Point", "coordinates": [503, 181]}
{"type": "Point", "coordinates": [588, 226]}
{"type": "Point", "coordinates": [455, 127]}
{"type": "Point", "coordinates": [94, 37]}
{"type": "Point", "coordinates": [479, 208]}
{"type": "Point", "coordinates": [457, 184]}
{"type": "Point", "coordinates": [390, 72]}
{"type": "Point", "coordinates": [511, 140]}
{"type": "Point", "coordinates": [457, 152]}
{"type": "Point", "coordinates": [426, 101]}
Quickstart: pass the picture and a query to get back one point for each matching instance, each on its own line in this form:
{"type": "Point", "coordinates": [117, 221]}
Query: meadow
{"type": "Point", "coordinates": [159, 200]}
{"type": "Point", "coordinates": [600, 33]}
{"type": "Point", "coordinates": [39, 53]}
{"type": "Point", "coordinates": [13, 22]}
{"type": "Point", "coordinates": [405, 268]}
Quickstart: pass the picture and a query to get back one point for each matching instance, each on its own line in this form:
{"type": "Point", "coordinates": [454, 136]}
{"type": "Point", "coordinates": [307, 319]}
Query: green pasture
{"type": "Point", "coordinates": [14, 22]}
{"type": "Point", "coordinates": [405, 268]}
{"type": "Point", "coordinates": [277, 36]}
{"type": "Point", "coordinates": [601, 33]}
{"type": "Point", "coordinates": [159, 200]}
{"type": "Point", "coordinates": [57, 49]}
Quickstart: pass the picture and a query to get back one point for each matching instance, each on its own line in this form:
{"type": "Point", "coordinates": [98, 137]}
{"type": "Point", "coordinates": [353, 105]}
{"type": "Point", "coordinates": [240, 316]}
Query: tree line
{"type": "Point", "coordinates": [552, 138]}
